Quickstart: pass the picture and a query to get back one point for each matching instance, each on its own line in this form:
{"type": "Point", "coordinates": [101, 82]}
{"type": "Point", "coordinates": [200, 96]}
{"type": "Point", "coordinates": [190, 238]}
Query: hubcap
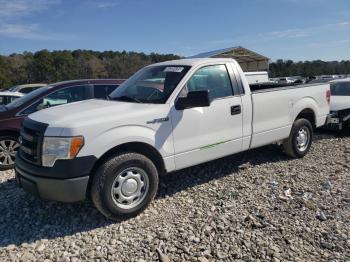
{"type": "Point", "coordinates": [303, 139]}
{"type": "Point", "coordinates": [8, 149]}
{"type": "Point", "coordinates": [130, 187]}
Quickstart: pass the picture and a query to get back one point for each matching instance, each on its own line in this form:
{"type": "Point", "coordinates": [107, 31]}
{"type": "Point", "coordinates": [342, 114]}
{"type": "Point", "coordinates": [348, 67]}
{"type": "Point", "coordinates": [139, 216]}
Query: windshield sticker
{"type": "Point", "coordinates": [174, 69]}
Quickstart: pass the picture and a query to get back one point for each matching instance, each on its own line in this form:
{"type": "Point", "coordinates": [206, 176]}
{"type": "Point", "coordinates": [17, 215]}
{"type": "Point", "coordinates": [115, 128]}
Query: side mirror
{"type": "Point", "coordinates": [193, 99]}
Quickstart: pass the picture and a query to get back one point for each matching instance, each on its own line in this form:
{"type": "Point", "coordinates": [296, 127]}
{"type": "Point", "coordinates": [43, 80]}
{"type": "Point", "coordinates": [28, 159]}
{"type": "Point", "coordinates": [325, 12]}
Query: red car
{"type": "Point", "coordinates": [12, 115]}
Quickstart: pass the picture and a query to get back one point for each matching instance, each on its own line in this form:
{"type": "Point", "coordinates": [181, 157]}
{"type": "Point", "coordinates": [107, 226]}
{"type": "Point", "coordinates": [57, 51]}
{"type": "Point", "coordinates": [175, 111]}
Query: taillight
{"type": "Point", "coordinates": [328, 96]}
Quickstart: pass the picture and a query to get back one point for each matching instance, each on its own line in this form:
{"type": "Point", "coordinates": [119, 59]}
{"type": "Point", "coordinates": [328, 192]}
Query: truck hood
{"type": "Point", "coordinates": [340, 103]}
{"type": "Point", "coordinates": [96, 112]}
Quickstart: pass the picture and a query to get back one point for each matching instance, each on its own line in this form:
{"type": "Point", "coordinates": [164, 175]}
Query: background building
{"type": "Point", "coordinates": [248, 59]}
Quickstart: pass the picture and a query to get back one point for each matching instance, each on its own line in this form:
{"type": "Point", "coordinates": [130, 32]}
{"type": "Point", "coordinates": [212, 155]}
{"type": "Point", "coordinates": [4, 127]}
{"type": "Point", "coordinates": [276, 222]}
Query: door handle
{"type": "Point", "coordinates": [236, 110]}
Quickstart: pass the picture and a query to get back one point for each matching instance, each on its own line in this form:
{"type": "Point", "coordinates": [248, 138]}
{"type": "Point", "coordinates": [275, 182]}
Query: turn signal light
{"type": "Point", "coordinates": [75, 146]}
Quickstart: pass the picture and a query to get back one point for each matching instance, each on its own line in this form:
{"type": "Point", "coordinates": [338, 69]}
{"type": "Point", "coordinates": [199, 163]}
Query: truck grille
{"type": "Point", "coordinates": [32, 134]}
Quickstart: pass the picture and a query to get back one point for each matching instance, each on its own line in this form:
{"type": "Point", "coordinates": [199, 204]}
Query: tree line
{"type": "Point", "coordinates": [48, 67]}
{"type": "Point", "coordinates": [308, 68]}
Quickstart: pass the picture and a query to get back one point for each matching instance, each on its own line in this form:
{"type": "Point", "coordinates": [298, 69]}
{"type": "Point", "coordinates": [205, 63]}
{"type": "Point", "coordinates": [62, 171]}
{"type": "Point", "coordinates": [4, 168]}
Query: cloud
{"type": "Point", "coordinates": [333, 44]}
{"type": "Point", "coordinates": [102, 4]}
{"type": "Point", "coordinates": [290, 33]}
{"type": "Point", "coordinates": [29, 32]}
{"type": "Point", "coordinates": [15, 9]}
{"type": "Point", "coordinates": [344, 41]}
{"type": "Point", "coordinates": [308, 33]}
{"type": "Point", "coordinates": [12, 19]}
{"type": "Point", "coordinates": [345, 24]}
{"type": "Point", "coordinates": [107, 4]}
{"type": "Point", "coordinates": [18, 30]}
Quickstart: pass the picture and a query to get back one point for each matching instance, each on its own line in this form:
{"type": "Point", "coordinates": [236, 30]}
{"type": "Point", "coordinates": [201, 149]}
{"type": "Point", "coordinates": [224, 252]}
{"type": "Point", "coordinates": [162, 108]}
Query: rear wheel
{"type": "Point", "coordinates": [298, 144]}
{"type": "Point", "coordinates": [8, 148]}
{"type": "Point", "coordinates": [124, 185]}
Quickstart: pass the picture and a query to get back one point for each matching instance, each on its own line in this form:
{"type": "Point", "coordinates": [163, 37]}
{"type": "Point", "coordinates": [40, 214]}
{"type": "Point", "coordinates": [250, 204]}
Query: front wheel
{"type": "Point", "coordinates": [124, 185]}
{"type": "Point", "coordinates": [8, 148]}
{"type": "Point", "coordinates": [298, 144]}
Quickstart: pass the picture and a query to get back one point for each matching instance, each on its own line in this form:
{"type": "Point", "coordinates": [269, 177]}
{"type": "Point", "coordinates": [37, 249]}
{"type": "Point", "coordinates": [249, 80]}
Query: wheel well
{"type": "Point", "coordinates": [136, 147]}
{"type": "Point", "coordinates": [308, 114]}
{"type": "Point", "coordinates": [9, 133]}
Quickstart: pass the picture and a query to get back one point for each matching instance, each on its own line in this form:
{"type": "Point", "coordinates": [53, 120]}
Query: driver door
{"type": "Point", "coordinates": [205, 133]}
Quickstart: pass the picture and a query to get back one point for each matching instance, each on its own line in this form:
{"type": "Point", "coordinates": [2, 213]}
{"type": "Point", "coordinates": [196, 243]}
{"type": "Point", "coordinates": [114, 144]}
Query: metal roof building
{"type": "Point", "coordinates": [248, 59]}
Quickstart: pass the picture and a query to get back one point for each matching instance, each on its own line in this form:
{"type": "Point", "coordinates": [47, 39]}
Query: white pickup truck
{"type": "Point", "coordinates": [166, 117]}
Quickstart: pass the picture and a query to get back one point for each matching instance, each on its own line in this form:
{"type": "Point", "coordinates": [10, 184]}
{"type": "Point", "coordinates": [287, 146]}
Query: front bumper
{"type": "Point", "coordinates": [63, 190]}
{"type": "Point", "coordinates": [55, 183]}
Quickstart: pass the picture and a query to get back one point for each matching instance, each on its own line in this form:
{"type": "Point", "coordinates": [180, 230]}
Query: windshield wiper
{"type": "Point", "coordinates": [127, 98]}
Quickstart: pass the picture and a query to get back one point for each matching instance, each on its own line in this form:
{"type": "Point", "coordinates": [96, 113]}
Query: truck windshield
{"type": "Point", "coordinates": [340, 89]}
{"type": "Point", "coordinates": [24, 99]}
{"type": "Point", "coordinates": [152, 85]}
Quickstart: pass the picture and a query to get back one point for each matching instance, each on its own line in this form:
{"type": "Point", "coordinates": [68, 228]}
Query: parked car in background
{"type": "Point", "coordinates": [330, 77]}
{"type": "Point", "coordinates": [7, 97]}
{"type": "Point", "coordinates": [12, 115]}
{"type": "Point", "coordinates": [291, 80]}
{"type": "Point", "coordinates": [285, 80]}
{"type": "Point", "coordinates": [25, 89]}
{"type": "Point", "coordinates": [318, 81]}
{"type": "Point", "coordinates": [340, 104]}
{"type": "Point", "coordinates": [166, 117]}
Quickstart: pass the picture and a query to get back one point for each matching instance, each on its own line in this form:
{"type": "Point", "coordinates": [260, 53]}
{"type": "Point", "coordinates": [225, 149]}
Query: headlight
{"type": "Point", "coordinates": [60, 148]}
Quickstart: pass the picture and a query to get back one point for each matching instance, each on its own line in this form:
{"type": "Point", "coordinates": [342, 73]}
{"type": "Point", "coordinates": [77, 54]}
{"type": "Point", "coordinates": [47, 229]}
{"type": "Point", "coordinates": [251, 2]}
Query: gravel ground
{"type": "Point", "coordinates": [258, 205]}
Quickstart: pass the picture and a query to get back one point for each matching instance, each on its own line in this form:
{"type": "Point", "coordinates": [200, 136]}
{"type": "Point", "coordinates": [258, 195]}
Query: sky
{"type": "Point", "coordinates": [279, 29]}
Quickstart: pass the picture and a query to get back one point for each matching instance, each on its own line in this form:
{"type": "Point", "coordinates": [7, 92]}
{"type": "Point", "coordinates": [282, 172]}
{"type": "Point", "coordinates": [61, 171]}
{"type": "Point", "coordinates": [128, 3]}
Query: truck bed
{"type": "Point", "coordinates": [266, 87]}
{"type": "Point", "coordinates": [275, 108]}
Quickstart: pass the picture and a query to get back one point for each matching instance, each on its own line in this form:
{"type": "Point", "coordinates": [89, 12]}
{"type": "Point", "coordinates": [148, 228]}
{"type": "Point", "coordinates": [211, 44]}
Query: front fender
{"type": "Point", "coordinates": [111, 138]}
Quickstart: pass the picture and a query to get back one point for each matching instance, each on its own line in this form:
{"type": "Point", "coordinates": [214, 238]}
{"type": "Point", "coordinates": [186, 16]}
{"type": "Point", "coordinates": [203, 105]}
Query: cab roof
{"type": "Point", "coordinates": [195, 61]}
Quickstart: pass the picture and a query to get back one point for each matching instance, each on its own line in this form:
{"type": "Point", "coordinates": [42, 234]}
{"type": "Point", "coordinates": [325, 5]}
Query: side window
{"type": "Point", "coordinates": [214, 78]}
{"type": "Point", "coordinates": [60, 97]}
{"type": "Point", "coordinates": [102, 91]}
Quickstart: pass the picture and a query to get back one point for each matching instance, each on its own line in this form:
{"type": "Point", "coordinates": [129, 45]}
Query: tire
{"type": "Point", "coordinates": [293, 146]}
{"type": "Point", "coordinates": [115, 180]}
{"type": "Point", "coordinates": [8, 148]}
